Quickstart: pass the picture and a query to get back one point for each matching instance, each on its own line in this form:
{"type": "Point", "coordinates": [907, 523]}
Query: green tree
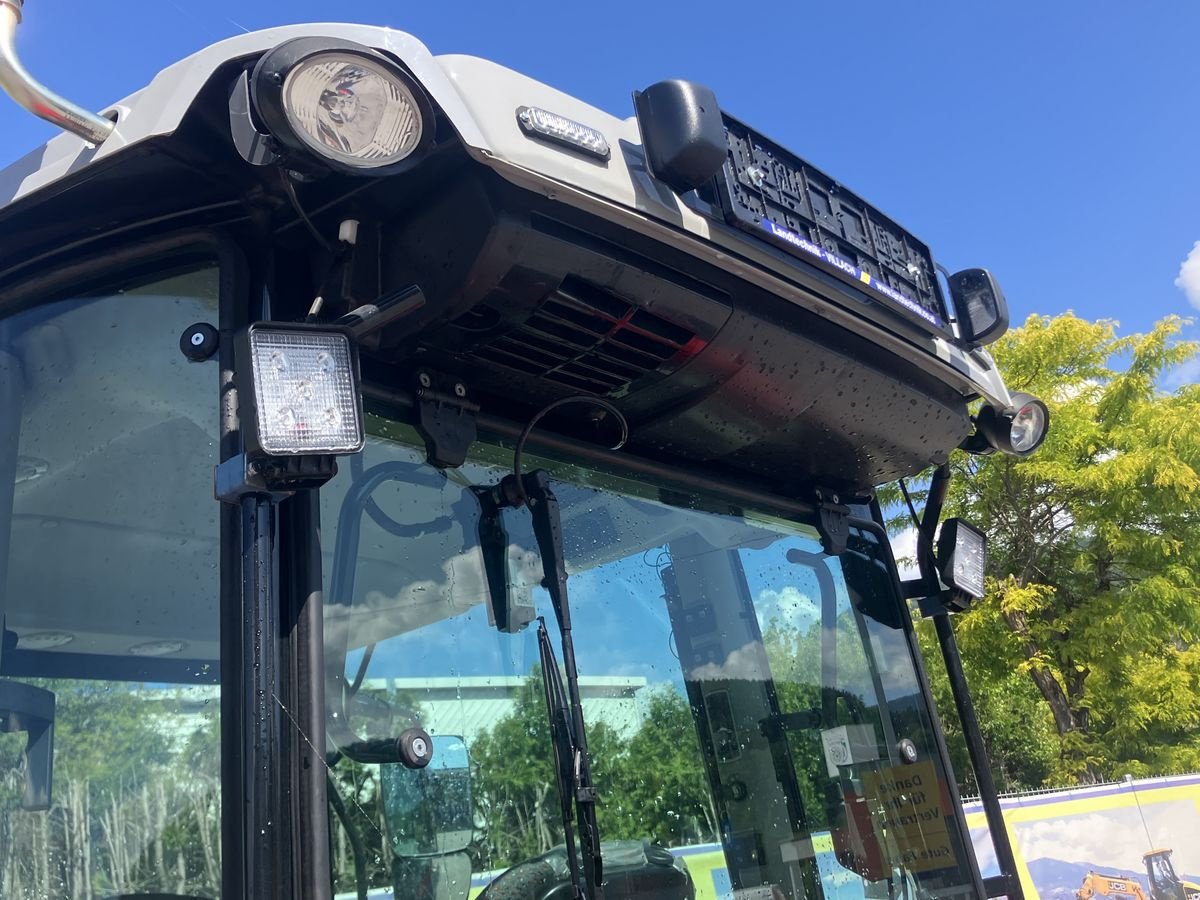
{"type": "Point", "coordinates": [656, 787]}
{"type": "Point", "coordinates": [1094, 588]}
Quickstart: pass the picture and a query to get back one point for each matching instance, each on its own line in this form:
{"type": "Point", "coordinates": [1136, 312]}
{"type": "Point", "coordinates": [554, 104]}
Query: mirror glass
{"type": "Point", "coordinates": [428, 811]}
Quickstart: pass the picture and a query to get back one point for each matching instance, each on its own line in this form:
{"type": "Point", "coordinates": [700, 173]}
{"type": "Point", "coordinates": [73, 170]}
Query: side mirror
{"type": "Point", "coordinates": [980, 305]}
{"type": "Point", "coordinates": [429, 811]}
{"type": "Point", "coordinates": [24, 707]}
{"type": "Point", "coordinates": [683, 133]}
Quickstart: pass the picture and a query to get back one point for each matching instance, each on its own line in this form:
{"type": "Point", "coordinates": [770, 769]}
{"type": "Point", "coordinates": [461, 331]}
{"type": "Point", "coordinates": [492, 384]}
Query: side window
{"type": "Point", "coordinates": [109, 593]}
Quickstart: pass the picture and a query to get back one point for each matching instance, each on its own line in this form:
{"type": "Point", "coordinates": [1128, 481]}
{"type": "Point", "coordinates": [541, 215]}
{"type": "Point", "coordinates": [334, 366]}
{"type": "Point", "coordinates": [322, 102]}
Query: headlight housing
{"type": "Point", "coordinates": [1018, 430]}
{"type": "Point", "coordinates": [345, 104]}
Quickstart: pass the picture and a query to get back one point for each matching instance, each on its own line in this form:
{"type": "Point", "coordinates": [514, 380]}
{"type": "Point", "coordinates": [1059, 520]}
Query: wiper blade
{"type": "Point", "coordinates": [564, 750]}
{"type": "Point", "coordinates": [564, 707]}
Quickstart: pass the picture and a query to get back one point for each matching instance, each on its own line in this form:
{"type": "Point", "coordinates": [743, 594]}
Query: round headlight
{"type": "Point", "coordinates": [344, 103]}
{"type": "Point", "coordinates": [1028, 427]}
{"type": "Point", "coordinates": [1017, 430]}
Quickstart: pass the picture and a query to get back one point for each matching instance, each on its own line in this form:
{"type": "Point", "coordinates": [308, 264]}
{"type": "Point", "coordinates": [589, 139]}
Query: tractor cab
{"type": "Point", "coordinates": [417, 482]}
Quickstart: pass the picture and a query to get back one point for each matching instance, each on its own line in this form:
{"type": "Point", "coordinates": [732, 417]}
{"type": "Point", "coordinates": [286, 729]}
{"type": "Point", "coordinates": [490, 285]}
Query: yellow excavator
{"type": "Point", "coordinates": [1164, 883]}
{"type": "Point", "coordinates": [1115, 886]}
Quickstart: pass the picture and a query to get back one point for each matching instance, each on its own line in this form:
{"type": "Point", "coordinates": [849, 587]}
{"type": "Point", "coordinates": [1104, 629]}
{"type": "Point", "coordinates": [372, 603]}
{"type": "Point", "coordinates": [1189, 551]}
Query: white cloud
{"type": "Point", "coordinates": [1187, 373]}
{"type": "Point", "coordinates": [904, 546]}
{"type": "Point", "coordinates": [747, 663]}
{"type": "Point", "coordinates": [791, 606]}
{"type": "Point", "coordinates": [1189, 276]}
{"type": "Point", "coordinates": [1114, 837]}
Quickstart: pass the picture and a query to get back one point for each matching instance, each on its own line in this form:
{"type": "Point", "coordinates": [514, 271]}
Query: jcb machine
{"type": "Point", "coordinates": [1164, 883]}
{"type": "Point", "coordinates": [327, 365]}
{"type": "Point", "coordinates": [1116, 887]}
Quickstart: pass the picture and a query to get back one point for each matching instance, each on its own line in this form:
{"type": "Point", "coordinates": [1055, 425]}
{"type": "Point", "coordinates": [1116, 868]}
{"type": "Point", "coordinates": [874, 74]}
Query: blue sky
{"type": "Point", "coordinates": [1055, 143]}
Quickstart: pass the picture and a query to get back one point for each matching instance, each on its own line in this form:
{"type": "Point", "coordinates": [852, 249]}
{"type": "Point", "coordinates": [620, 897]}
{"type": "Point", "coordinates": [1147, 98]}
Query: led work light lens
{"type": "Point", "coordinates": [305, 392]}
{"type": "Point", "coordinates": [1028, 427]}
{"type": "Point", "coordinates": [963, 554]}
{"type": "Point", "coordinates": [352, 109]}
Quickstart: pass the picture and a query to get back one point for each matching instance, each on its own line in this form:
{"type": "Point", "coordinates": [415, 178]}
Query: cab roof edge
{"type": "Point", "coordinates": [35, 97]}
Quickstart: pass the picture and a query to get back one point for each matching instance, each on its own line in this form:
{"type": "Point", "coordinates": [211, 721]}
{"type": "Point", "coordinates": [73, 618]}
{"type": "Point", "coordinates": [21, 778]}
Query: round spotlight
{"type": "Point", "coordinates": [351, 107]}
{"type": "Point", "coordinates": [1018, 430]}
{"type": "Point", "coordinates": [1029, 424]}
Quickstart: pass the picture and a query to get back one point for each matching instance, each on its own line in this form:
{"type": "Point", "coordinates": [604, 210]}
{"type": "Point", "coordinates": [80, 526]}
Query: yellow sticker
{"type": "Point", "coordinates": [866, 277]}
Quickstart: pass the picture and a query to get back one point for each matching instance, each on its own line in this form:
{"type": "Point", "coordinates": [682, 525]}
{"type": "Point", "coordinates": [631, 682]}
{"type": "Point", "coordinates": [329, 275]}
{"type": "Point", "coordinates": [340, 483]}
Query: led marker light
{"type": "Point", "coordinates": [548, 126]}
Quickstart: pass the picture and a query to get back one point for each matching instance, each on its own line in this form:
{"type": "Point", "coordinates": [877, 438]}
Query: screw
{"type": "Point", "coordinates": [460, 390]}
{"type": "Point", "coordinates": [756, 175]}
{"type": "Point", "coordinates": [197, 339]}
{"type": "Point", "coordinates": [424, 380]}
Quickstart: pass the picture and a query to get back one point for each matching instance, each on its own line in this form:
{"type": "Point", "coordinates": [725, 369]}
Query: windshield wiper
{"type": "Point", "coordinates": [564, 707]}
{"type": "Point", "coordinates": [564, 749]}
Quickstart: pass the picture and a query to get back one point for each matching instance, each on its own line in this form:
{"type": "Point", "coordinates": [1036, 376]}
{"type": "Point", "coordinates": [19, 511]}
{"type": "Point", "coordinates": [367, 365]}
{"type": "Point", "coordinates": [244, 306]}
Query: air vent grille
{"type": "Point", "coordinates": [587, 339]}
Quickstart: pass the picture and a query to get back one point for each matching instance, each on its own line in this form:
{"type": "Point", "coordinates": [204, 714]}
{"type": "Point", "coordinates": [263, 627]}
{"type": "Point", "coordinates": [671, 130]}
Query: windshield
{"type": "Point", "coordinates": [753, 713]}
{"type": "Point", "coordinates": [109, 597]}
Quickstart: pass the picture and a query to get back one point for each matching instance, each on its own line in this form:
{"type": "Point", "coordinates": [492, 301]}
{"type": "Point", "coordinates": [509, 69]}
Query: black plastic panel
{"type": "Point", "coordinates": [778, 197]}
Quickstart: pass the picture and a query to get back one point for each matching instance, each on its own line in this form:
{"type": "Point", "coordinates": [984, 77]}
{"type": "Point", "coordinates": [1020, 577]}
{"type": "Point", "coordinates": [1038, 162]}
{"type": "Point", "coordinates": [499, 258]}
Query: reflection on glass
{"type": "Point", "coordinates": [745, 695]}
{"type": "Point", "coordinates": [110, 600]}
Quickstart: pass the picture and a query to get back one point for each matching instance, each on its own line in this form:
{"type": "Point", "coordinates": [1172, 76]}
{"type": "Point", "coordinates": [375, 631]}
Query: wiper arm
{"type": "Point", "coordinates": [564, 750]}
{"type": "Point", "coordinates": [575, 778]}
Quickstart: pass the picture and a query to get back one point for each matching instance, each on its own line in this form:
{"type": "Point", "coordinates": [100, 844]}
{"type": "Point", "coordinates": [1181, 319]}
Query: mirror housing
{"type": "Point", "coordinates": [24, 707]}
{"type": "Point", "coordinates": [979, 304]}
{"type": "Point", "coordinates": [429, 811]}
{"type": "Point", "coordinates": [682, 132]}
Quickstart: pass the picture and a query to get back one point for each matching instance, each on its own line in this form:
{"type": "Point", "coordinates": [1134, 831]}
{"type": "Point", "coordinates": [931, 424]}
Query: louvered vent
{"type": "Point", "coordinates": [590, 340]}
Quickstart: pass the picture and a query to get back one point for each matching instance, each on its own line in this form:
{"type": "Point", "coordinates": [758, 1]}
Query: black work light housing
{"type": "Point", "coordinates": [346, 105]}
{"type": "Point", "coordinates": [298, 391]}
{"type": "Point", "coordinates": [979, 304]}
{"type": "Point", "coordinates": [962, 557]}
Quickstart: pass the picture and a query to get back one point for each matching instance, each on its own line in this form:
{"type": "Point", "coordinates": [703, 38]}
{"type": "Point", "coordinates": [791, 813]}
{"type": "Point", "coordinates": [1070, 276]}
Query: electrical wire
{"type": "Point", "coordinates": [290, 189]}
{"type": "Point", "coordinates": [550, 407]}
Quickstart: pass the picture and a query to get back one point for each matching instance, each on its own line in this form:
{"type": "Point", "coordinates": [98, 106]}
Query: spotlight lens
{"type": "Point", "coordinates": [352, 109]}
{"type": "Point", "coordinates": [1028, 426]}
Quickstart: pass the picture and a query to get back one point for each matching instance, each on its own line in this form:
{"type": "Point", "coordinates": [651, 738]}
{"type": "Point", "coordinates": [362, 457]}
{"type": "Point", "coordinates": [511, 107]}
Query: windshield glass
{"type": "Point", "coordinates": [753, 713]}
{"type": "Point", "coordinates": [109, 598]}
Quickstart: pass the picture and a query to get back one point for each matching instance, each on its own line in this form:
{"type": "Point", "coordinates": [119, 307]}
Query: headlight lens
{"type": "Point", "coordinates": [352, 109]}
{"type": "Point", "coordinates": [1028, 427]}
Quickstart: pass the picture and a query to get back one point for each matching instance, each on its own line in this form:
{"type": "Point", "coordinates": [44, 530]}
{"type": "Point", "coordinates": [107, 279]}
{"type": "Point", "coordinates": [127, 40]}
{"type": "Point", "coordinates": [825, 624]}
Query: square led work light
{"type": "Point", "coordinates": [305, 399]}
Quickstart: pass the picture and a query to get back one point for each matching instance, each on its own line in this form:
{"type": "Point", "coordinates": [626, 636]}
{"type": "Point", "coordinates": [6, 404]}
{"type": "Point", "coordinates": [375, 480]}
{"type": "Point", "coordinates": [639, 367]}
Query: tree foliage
{"type": "Point", "coordinates": [1094, 587]}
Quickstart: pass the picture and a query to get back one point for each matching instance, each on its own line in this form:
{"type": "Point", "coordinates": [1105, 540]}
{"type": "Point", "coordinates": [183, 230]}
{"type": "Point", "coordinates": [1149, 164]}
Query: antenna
{"type": "Point", "coordinates": [1145, 827]}
{"type": "Point", "coordinates": [33, 96]}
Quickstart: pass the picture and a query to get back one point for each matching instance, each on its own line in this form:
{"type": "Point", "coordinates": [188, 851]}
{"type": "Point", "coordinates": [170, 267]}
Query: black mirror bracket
{"type": "Point", "coordinates": [445, 419]}
{"type": "Point", "coordinates": [833, 522]}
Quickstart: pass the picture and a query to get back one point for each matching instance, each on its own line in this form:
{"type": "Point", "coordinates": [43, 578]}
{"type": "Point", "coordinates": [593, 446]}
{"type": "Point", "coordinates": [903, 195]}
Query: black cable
{"type": "Point", "coordinates": [912, 511]}
{"type": "Point", "coordinates": [362, 669]}
{"type": "Point", "coordinates": [356, 846]}
{"type": "Point", "coordinates": [564, 401]}
{"type": "Point", "coordinates": [290, 190]}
